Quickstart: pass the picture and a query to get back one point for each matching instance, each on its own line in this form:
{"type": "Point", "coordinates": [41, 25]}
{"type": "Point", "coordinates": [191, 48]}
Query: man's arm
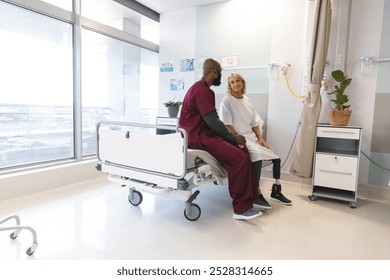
{"type": "Point", "coordinates": [219, 128]}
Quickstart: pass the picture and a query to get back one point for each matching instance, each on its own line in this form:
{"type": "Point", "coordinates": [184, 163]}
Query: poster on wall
{"type": "Point", "coordinates": [187, 65]}
{"type": "Point", "coordinates": [166, 67]}
{"type": "Point", "coordinates": [180, 84]}
{"type": "Point", "coordinates": [176, 84]}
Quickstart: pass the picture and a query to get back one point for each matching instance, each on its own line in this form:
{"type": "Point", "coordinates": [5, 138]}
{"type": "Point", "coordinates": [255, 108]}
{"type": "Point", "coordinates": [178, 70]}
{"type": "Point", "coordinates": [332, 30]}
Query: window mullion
{"type": "Point", "coordinates": [77, 100]}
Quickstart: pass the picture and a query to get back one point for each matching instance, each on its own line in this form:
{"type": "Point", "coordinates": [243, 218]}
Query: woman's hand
{"type": "Point", "coordinates": [263, 143]}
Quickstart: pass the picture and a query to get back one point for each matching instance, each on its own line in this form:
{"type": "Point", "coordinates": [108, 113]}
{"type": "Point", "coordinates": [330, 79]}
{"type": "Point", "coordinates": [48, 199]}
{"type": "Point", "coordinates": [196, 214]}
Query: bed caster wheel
{"type": "Point", "coordinates": [135, 197]}
{"type": "Point", "coordinates": [192, 212]}
{"type": "Point", "coordinates": [352, 204]}
{"type": "Point", "coordinates": [312, 197]}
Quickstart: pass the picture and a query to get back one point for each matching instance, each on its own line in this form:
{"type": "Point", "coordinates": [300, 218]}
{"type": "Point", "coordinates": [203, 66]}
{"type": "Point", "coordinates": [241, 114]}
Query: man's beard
{"type": "Point", "coordinates": [217, 81]}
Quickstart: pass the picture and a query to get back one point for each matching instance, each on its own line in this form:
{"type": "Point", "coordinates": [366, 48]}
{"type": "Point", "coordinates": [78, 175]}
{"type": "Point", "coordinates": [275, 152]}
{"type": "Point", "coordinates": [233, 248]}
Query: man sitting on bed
{"type": "Point", "coordinates": [207, 132]}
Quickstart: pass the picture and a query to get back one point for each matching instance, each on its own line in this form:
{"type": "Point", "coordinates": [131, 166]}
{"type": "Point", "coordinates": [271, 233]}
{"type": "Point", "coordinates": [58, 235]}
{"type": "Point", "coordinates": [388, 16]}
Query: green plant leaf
{"type": "Point", "coordinates": [338, 75]}
{"type": "Point", "coordinates": [342, 99]}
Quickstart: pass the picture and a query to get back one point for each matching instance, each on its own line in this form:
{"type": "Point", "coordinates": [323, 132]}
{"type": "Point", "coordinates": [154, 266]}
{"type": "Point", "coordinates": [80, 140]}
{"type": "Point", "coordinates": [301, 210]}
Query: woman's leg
{"type": "Point", "coordinates": [257, 165]}
{"type": "Point", "coordinates": [276, 193]}
{"type": "Point", "coordinates": [276, 168]}
{"type": "Point", "coordinates": [260, 201]}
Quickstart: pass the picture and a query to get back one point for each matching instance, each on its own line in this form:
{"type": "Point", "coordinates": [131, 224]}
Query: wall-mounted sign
{"type": "Point", "coordinates": [229, 61]}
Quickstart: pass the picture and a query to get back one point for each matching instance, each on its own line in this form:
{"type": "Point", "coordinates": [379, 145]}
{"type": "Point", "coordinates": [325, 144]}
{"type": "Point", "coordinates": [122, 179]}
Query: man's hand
{"type": "Point", "coordinates": [241, 141]}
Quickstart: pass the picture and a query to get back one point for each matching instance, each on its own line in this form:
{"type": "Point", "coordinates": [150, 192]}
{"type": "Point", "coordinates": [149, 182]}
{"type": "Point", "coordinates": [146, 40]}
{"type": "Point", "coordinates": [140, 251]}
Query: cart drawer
{"type": "Point", "coordinates": [337, 132]}
{"type": "Point", "coordinates": [336, 172]}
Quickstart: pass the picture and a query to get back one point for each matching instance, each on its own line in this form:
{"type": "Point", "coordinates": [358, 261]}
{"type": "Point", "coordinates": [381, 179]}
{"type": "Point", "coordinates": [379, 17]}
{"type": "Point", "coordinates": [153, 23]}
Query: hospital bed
{"type": "Point", "coordinates": [134, 155]}
{"type": "Point", "coordinates": [16, 229]}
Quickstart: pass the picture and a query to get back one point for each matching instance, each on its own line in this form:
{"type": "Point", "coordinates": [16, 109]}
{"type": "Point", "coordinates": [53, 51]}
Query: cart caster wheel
{"type": "Point", "coordinates": [352, 205]}
{"type": "Point", "coordinates": [31, 250]}
{"type": "Point", "coordinates": [135, 197]}
{"type": "Point", "coordinates": [194, 212]}
{"type": "Point", "coordinates": [14, 234]}
{"type": "Point", "coordinates": [312, 197]}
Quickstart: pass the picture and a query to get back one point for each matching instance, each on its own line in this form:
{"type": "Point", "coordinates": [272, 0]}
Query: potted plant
{"type": "Point", "coordinates": [340, 114]}
{"type": "Point", "coordinates": [173, 107]}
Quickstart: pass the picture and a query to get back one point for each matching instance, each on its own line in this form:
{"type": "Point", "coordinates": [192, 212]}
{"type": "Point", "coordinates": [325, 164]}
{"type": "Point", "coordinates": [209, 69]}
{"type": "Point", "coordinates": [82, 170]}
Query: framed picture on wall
{"type": "Point", "coordinates": [187, 65]}
{"type": "Point", "coordinates": [166, 66]}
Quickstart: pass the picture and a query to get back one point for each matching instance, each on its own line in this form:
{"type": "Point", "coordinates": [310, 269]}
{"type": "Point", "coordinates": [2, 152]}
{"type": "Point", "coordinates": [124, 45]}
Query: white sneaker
{"type": "Point", "coordinates": [250, 214]}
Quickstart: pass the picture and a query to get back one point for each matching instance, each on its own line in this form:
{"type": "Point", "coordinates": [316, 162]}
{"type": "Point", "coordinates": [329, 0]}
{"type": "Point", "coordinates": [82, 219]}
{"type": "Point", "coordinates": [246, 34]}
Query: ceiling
{"type": "Point", "coordinates": [164, 6]}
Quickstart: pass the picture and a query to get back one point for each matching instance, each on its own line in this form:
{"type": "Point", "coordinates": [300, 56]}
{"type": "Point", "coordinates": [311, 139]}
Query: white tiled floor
{"type": "Point", "coordinates": [95, 221]}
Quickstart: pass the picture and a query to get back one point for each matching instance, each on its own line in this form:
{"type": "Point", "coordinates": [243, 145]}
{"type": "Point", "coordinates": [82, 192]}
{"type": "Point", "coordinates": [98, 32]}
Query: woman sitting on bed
{"type": "Point", "coordinates": [239, 115]}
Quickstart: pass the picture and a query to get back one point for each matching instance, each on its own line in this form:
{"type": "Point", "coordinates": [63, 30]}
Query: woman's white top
{"type": "Point", "coordinates": [242, 115]}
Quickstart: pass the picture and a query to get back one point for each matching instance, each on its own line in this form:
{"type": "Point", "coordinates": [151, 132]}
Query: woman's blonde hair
{"type": "Point", "coordinates": [236, 75]}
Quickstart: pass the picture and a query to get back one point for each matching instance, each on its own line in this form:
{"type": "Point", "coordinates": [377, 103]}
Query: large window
{"type": "Point", "coordinates": [50, 72]}
{"type": "Point", "coordinates": [36, 122]}
{"type": "Point", "coordinates": [120, 82]}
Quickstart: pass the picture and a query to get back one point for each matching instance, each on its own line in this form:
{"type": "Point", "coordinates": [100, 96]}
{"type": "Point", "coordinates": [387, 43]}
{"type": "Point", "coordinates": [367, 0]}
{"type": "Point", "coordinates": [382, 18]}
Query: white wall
{"type": "Point", "coordinates": [177, 42]}
{"type": "Point", "coordinates": [288, 45]}
{"type": "Point", "coordinates": [364, 39]}
{"type": "Point", "coordinates": [237, 28]}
